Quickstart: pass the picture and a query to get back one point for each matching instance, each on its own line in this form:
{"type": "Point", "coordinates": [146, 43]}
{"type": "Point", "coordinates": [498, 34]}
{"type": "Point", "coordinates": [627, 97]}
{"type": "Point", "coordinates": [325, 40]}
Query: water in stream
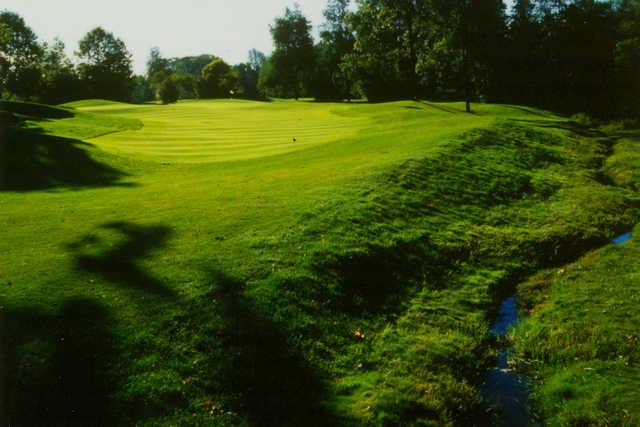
{"type": "Point", "coordinates": [503, 388]}
{"type": "Point", "coordinates": [622, 238]}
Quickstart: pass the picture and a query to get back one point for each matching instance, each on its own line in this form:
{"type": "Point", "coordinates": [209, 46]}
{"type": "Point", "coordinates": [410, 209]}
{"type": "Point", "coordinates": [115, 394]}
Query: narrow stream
{"type": "Point", "coordinates": [504, 390]}
{"type": "Point", "coordinates": [622, 238]}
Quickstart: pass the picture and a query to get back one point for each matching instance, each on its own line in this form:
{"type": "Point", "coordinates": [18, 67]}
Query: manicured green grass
{"type": "Point", "coordinates": [193, 265]}
{"type": "Point", "coordinates": [226, 130]}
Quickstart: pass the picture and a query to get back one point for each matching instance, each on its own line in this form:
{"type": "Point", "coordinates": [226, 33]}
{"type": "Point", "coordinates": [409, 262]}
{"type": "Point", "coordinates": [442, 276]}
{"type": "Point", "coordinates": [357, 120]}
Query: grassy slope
{"type": "Point", "coordinates": [581, 339]}
{"type": "Point", "coordinates": [144, 285]}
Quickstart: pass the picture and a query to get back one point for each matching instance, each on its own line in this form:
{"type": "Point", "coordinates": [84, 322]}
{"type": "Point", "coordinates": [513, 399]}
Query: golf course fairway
{"type": "Point", "coordinates": [285, 262]}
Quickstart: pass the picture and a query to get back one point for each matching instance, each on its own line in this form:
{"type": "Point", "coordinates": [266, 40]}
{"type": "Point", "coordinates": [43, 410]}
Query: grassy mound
{"type": "Point", "coordinates": [34, 111]}
{"type": "Point", "coordinates": [348, 277]}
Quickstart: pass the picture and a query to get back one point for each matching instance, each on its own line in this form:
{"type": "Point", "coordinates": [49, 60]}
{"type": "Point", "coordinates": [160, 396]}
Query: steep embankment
{"type": "Point", "coordinates": [349, 279]}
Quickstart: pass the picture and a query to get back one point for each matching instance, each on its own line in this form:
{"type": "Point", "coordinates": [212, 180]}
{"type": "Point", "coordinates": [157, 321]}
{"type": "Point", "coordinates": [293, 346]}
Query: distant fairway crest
{"type": "Point", "coordinates": [213, 131]}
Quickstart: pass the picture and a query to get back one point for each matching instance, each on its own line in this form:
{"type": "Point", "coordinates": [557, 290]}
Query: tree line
{"type": "Point", "coordinates": [566, 55]}
{"type": "Point", "coordinates": [38, 71]}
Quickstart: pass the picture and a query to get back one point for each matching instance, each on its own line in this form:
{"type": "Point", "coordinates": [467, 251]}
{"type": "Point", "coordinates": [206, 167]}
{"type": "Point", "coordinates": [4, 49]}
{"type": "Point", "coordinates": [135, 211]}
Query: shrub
{"type": "Point", "coordinates": [168, 90]}
{"type": "Point", "coordinates": [218, 80]}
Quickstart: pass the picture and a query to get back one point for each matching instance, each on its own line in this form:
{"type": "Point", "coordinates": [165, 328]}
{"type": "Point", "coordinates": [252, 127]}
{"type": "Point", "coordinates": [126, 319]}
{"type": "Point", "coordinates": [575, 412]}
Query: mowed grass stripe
{"type": "Point", "coordinates": [212, 131]}
{"type": "Point", "coordinates": [230, 133]}
{"type": "Point", "coordinates": [209, 145]}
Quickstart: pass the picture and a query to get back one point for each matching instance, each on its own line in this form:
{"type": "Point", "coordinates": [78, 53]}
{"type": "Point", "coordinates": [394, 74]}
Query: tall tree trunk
{"type": "Point", "coordinates": [408, 17]}
{"type": "Point", "coordinates": [467, 83]}
{"type": "Point", "coordinates": [4, 152]}
{"type": "Point", "coordinates": [465, 55]}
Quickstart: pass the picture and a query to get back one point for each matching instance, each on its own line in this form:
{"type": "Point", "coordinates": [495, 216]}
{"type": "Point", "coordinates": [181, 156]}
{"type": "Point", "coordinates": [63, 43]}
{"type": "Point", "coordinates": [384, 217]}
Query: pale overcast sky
{"type": "Point", "coordinates": [225, 28]}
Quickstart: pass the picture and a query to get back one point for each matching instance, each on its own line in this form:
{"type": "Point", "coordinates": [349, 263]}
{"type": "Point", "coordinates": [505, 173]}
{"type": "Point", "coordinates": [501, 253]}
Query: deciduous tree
{"type": "Point", "coordinates": [106, 67]}
{"type": "Point", "coordinates": [292, 62]}
{"type": "Point", "coordinates": [168, 91]}
{"type": "Point", "coordinates": [218, 80]}
{"type": "Point", "coordinates": [336, 42]}
{"type": "Point", "coordinates": [20, 54]}
{"type": "Point", "coordinates": [59, 80]}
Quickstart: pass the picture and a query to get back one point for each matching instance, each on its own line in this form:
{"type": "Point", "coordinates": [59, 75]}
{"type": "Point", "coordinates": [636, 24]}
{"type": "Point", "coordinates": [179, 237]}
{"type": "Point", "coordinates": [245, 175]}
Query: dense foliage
{"type": "Point", "coordinates": [168, 90]}
{"type": "Point", "coordinates": [218, 80]}
{"type": "Point", "coordinates": [19, 52]}
{"type": "Point", "coordinates": [291, 65]}
{"type": "Point", "coordinates": [330, 82]}
{"type": "Point", "coordinates": [249, 74]}
{"type": "Point", "coordinates": [106, 66]}
{"type": "Point", "coordinates": [37, 71]}
{"type": "Point", "coordinates": [571, 56]}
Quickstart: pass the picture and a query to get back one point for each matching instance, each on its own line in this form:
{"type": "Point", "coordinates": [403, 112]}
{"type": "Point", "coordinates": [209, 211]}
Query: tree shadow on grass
{"type": "Point", "coordinates": [566, 125]}
{"type": "Point", "coordinates": [35, 110]}
{"type": "Point", "coordinates": [32, 160]}
{"type": "Point", "coordinates": [55, 366]}
{"type": "Point", "coordinates": [527, 110]}
{"type": "Point", "coordinates": [243, 354]}
{"type": "Point", "coordinates": [117, 264]}
{"type": "Point", "coordinates": [441, 107]}
{"type": "Point", "coordinates": [275, 385]}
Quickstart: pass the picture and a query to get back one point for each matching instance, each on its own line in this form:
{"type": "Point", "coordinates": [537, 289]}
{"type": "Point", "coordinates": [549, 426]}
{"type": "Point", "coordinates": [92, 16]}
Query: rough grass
{"type": "Point", "coordinates": [624, 167]}
{"type": "Point", "coordinates": [143, 285]}
{"type": "Point", "coordinates": [581, 338]}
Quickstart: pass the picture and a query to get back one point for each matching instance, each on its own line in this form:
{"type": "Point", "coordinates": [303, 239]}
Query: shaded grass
{"type": "Point", "coordinates": [32, 159]}
{"type": "Point", "coordinates": [56, 365]}
{"type": "Point", "coordinates": [40, 161]}
{"type": "Point", "coordinates": [28, 109]}
{"type": "Point", "coordinates": [233, 289]}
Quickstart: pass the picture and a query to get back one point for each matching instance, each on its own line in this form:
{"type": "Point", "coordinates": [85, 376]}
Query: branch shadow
{"type": "Point", "coordinates": [441, 107]}
{"type": "Point", "coordinates": [567, 125]}
{"type": "Point", "coordinates": [60, 366]}
{"type": "Point", "coordinates": [35, 110]}
{"type": "Point", "coordinates": [527, 110]}
{"type": "Point", "coordinates": [56, 366]}
{"type": "Point", "coordinates": [118, 264]}
{"type": "Point", "coordinates": [33, 160]}
{"type": "Point", "coordinates": [275, 384]}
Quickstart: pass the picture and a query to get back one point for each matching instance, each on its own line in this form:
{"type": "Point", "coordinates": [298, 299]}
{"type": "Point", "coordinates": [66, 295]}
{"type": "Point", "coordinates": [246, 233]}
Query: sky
{"type": "Point", "coordinates": [225, 28]}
